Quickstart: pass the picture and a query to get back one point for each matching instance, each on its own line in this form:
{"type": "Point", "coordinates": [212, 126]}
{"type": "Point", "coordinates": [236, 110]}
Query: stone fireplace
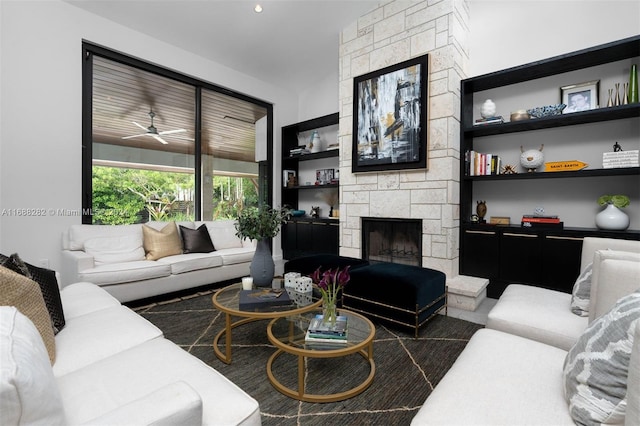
{"type": "Point", "coordinates": [392, 240]}
{"type": "Point", "coordinates": [394, 32]}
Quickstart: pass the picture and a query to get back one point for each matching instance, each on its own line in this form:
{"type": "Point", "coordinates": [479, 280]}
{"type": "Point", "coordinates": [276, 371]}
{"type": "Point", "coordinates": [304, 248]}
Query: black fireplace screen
{"type": "Point", "coordinates": [392, 240]}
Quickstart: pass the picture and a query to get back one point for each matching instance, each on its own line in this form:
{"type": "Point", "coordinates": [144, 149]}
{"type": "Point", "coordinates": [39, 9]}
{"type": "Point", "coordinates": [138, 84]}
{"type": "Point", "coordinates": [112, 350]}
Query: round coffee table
{"type": "Point", "coordinates": [288, 335]}
{"type": "Point", "coordinates": [227, 300]}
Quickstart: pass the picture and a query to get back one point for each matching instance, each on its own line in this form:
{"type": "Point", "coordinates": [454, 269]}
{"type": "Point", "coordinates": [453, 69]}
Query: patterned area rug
{"type": "Point", "coordinates": [407, 369]}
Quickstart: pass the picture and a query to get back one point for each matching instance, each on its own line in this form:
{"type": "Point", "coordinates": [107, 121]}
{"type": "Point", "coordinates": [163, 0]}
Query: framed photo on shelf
{"type": "Point", "coordinates": [580, 97]}
{"type": "Point", "coordinates": [390, 117]}
{"type": "Point", "coordinates": [288, 178]}
{"type": "Point", "coordinates": [324, 176]}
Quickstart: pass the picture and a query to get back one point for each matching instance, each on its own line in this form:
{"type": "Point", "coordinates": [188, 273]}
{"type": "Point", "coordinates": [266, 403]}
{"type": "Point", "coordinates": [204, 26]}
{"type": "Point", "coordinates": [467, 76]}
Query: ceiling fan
{"type": "Point", "coordinates": [153, 131]}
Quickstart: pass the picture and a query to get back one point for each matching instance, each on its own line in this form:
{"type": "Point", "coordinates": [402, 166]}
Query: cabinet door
{"type": "Point", "coordinates": [289, 238]}
{"type": "Point", "coordinates": [520, 258]}
{"type": "Point", "coordinates": [561, 262]}
{"type": "Point", "coordinates": [479, 255]}
{"type": "Point", "coordinates": [324, 238]}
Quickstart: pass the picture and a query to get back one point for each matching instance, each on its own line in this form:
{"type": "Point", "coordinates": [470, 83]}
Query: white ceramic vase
{"type": "Point", "coordinates": [612, 218]}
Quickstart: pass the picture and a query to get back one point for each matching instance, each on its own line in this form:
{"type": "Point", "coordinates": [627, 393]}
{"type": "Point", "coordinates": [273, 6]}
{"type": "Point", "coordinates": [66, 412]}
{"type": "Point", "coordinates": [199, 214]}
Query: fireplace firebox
{"type": "Point", "coordinates": [392, 240]}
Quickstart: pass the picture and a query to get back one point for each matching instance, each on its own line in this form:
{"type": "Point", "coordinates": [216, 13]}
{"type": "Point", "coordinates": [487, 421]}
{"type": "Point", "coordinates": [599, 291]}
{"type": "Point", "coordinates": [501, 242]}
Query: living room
{"type": "Point", "coordinates": [58, 133]}
{"type": "Point", "coordinates": [40, 139]}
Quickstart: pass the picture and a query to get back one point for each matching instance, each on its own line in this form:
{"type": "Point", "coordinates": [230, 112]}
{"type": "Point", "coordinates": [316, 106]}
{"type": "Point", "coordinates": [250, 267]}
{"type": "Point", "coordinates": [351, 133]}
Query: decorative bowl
{"type": "Point", "coordinates": [297, 213]}
{"type": "Point", "coordinates": [520, 115]}
{"type": "Point", "coordinates": [546, 111]}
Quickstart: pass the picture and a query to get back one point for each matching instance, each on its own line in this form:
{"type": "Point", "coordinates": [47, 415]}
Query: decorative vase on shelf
{"type": "Point", "coordinates": [612, 218]}
{"type": "Point", "coordinates": [262, 268]}
{"type": "Point", "coordinates": [633, 84]}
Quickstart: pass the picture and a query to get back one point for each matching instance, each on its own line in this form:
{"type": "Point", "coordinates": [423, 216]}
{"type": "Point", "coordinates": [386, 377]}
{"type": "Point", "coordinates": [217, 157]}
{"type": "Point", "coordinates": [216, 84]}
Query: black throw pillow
{"type": "Point", "coordinates": [196, 240]}
{"type": "Point", "coordinates": [46, 279]}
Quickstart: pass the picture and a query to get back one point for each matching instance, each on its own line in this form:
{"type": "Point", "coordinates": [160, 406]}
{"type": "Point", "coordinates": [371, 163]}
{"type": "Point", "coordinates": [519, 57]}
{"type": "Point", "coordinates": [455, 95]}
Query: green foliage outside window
{"type": "Point", "coordinates": [125, 196]}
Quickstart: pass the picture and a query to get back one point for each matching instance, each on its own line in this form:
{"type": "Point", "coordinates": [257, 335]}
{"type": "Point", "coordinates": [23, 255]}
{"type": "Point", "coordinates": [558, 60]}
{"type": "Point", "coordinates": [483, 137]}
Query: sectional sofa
{"type": "Point", "coordinates": [105, 366]}
{"type": "Point", "coordinates": [133, 262]}
{"type": "Point", "coordinates": [538, 363]}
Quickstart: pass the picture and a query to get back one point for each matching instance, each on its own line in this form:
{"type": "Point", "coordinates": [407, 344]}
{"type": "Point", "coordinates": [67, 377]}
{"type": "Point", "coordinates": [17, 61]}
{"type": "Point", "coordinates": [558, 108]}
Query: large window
{"type": "Point", "coordinates": [158, 145]}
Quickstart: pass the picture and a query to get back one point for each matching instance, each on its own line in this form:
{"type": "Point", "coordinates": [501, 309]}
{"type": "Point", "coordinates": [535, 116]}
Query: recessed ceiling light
{"type": "Point", "coordinates": [258, 8]}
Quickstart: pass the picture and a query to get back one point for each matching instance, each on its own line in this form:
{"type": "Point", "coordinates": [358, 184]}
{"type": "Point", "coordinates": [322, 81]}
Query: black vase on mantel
{"type": "Point", "coordinates": [262, 267]}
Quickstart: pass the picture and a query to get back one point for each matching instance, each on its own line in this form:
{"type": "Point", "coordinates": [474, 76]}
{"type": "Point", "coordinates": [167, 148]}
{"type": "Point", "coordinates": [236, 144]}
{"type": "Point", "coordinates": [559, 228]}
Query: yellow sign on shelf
{"type": "Point", "coordinates": [564, 166]}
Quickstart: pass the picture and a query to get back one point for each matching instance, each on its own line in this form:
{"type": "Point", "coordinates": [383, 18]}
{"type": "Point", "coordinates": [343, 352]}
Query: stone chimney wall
{"type": "Point", "coordinates": [392, 33]}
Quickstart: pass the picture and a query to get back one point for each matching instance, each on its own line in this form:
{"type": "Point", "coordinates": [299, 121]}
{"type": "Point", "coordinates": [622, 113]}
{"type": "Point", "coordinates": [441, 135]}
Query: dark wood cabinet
{"type": "Point", "coordinates": [547, 257]}
{"type": "Point", "coordinates": [304, 236]}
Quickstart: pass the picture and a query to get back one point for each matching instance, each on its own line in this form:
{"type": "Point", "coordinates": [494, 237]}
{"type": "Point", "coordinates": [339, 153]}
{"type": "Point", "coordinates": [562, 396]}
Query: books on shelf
{"type": "Point", "coordinates": [491, 120]}
{"type": "Point", "coordinates": [621, 159]}
{"type": "Point", "coordinates": [480, 164]}
{"type": "Point", "coordinates": [533, 221]}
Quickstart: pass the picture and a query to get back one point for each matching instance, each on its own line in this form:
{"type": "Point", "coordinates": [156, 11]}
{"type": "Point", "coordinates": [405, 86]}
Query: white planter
{"type": "Point", "coordinates": [612, 218]}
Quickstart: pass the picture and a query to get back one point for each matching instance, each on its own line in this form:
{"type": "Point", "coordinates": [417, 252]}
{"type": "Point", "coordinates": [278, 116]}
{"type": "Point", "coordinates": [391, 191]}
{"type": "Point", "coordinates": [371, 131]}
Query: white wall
{"type": "Point", "coordinates": [507, 33]}
{"type": "Point", "coordinates": [41, 111]}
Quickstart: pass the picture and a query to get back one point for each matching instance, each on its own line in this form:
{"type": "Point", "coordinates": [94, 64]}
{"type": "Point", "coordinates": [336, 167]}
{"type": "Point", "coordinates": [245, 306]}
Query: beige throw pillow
{"type": "Point", "coordinates": [159, 244]}
{"type": "Point", "coordinates": [24, 293]}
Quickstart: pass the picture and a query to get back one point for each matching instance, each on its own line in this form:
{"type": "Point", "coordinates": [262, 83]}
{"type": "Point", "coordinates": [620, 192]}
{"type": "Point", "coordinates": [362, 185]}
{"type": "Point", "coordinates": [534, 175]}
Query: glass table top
{"type": "Point", "coordinates": [228, 299]}
{"type": "Point", "coordinates": [291, 330]}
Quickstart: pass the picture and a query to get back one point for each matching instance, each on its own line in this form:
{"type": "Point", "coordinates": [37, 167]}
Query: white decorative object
{"type": "Point", "coordinates": [247, 283]}
{"type": "Point", "coordinates": [488, 109]}
{"type": "Point", "coordinates": [314, 144]}
{"type": "Point", "coordinates": [532, 158]}
{"type": "Point", "coordinates": [303, 285]}
{"type": "Point", "coordinates": [612, 218]}
{"type": "Point", "coordinates": [290, 279]}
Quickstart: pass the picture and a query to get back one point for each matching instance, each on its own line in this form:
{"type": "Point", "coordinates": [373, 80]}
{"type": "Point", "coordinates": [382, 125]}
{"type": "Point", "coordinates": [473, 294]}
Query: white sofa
{"type": "Point", "coordinates": [112, 257]}
{"type": "Point", "coordinates": [509, 377]}
{"type": "Point", "coordinates": [112, 367]}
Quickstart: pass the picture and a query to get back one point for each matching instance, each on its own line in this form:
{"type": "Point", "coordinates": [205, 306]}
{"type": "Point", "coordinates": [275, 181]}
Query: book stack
{"type": "Point", "coordinates": [532, 221]}
{"type": "Point", "coordinates": [620, 159]}
{"type": "Point", "coordinates": [479, 164]}
{"type": "Point", "coordinates": [325, 334]}
{"type": "Point", "coordinates": [300, 149]}
{"type": "Point", "coordinates": [490, 120]}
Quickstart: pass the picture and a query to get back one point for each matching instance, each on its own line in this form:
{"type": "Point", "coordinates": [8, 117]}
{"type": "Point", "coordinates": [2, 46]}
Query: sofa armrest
{"type": "Point", "coordinates": [73, 262]}
{"type": "Point", "coordinates": [174, 404]}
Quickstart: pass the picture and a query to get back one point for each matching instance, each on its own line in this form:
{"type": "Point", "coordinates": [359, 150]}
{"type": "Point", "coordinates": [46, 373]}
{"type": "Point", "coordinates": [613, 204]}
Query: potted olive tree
{"type": "Point", "coordinates": [261, 224]}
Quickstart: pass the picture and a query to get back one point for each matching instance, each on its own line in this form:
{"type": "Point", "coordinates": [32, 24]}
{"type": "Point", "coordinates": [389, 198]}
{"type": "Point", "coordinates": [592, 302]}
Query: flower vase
{"type": "Point", "coordinates": [262, 268]}
{"type": "Point", "coordinates": [612, 218]}
{"type": "Point", "coordinates": [329, 313]}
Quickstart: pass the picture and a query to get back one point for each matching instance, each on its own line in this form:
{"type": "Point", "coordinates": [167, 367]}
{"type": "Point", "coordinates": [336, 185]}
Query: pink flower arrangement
{"type": "Point", "coordinates": [330, 282]}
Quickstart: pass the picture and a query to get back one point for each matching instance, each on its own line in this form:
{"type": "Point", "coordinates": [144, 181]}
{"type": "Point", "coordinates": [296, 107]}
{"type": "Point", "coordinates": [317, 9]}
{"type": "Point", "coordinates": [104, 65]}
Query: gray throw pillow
{"type": "Point", "coordinates": [581, 293]}
{"type": "Point", "coordinates": [596, 368]}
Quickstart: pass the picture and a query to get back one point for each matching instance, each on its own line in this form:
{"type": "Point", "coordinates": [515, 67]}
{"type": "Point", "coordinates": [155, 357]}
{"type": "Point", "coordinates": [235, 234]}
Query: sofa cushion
{"type": "Point", "coordinates": [23, 293]}
{"type": "Point", "coordinates": [78, 234]}
{"type": "Point", "coordinates": [182, 263]}
{"type": "Point", "coordinates": [46, 279]}
{"type": "Point", "coordinates": [114, 273]}
{"type": "Point", "coordinates": [124, 248]}
{"type": "Point", "coordinates": [158, 244]}
{"type": "Point", "coordinates": [98, 388]}
{"type": "Point", "coordinates": [234, 256]}
{"type": "Point", "coordinates": [196, 240]}
{"type": "Point", "coordinates": [632, 416]}
{"type": "Point", "coordinates": [28, 391]}
{"type": "Point", "coordinates": [98, 335]}
{"type": "Point", "coordinates": [581, 292]}
{"type": "Point", "coordinates": [596, 368]}
{"type": "Point", "coordinates": [83, 298]}
{"type": "Point", "coordinates": [499, 379]}
{"type": "Point", "coordinates": [610, 285]}
{"type": "Point", "coordinates": [223, 233]}
{"type": "Point", "coordinates": [539, 314]}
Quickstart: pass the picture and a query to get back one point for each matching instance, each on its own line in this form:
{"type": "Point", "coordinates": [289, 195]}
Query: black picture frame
{"type": "Point", "coordinates": [390, 113]}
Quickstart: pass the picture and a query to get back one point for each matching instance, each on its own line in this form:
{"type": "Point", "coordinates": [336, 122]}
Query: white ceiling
{"type": "Point", "coordinates": [292, 43]}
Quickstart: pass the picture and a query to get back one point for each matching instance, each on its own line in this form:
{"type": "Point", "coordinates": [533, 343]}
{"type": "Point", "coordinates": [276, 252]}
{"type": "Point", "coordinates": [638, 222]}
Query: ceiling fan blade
{"type": "Point", "coordinates": [134, 136]}
{"type": "Point", "coordinates": [170, 132]}
{"type": "Point", "coordinates": [139, 125]}
{"type": "Point", "coordinates": [159, 139]}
